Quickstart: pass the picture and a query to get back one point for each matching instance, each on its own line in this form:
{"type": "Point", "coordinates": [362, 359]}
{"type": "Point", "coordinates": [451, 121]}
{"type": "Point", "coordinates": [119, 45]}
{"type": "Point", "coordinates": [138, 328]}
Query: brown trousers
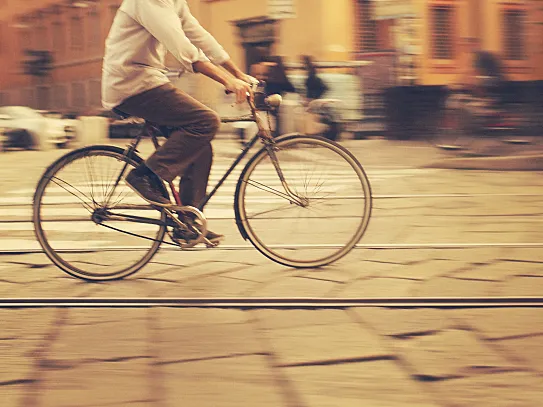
{"type": "Point", "coordinates": [187, 152]}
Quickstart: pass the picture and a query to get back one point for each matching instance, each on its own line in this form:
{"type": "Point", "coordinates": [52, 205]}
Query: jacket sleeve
{"type": "Point", "coordinates": [160, 18]}
{"type": "Point", "coordinates": [200, 37]}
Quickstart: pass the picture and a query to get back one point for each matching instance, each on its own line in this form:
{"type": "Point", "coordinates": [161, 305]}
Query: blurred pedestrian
{"type": "Point", "coordinates": [277, 82]}
{"type": "Point", "coordinates": [314, 85]}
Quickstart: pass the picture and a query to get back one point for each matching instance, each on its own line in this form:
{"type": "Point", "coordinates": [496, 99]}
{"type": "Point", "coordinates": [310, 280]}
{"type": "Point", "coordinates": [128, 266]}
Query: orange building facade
{"type": "Point", "coordinates": [411, 41]}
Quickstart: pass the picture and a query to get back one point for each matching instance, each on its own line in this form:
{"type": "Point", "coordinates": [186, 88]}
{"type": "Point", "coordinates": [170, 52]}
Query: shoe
{"type": "Point", "coordinates": [189, 234]}
{"type": "Point", "coordinates": [144, 187]}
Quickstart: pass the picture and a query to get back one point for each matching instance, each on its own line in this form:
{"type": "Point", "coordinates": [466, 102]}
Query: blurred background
{"type": "Point", "coordinates": [442, 103]}
{"type": "Point", "coordinates": [386, 64]}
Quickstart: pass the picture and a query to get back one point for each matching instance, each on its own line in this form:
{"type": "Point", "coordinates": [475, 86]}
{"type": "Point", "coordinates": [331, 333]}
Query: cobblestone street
{"type": "Point", "coordinates": [434, 233]}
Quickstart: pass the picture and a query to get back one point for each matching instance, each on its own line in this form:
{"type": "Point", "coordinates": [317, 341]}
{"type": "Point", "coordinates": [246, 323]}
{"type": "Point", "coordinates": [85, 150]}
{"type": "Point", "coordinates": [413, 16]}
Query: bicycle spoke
{"type": "Point", "coordinates": [86, 205]}
{"type": "Point", "coordinates": [269, 189]}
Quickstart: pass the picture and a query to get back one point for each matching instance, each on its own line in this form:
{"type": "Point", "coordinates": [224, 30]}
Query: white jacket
{"type": "Point", "coordinates": [142, 33]}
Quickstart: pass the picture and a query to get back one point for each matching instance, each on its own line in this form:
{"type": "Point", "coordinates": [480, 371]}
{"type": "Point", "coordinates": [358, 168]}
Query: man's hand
{"type": "Point", "coordinates": [240, 88]}
{"type": "Point", "coordinates": [251, 80]}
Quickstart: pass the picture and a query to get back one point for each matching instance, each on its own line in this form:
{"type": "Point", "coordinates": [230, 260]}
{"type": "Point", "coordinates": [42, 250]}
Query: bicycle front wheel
{"type": "Point", "coordinates": [87, 220]}
{"type": "Point", "coordinates": [304, 205]}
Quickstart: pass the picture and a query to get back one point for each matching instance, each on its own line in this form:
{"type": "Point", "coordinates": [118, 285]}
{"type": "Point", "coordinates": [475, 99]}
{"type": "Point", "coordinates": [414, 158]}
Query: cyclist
{"type": "Point", "coordinates": [483, 78]}
{"type": "Point", "coordinates": [134, 82]}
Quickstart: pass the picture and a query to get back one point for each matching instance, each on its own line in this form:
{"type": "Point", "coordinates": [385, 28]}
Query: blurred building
{"type": "Point", "coordinates": [429, 39]}
{"type": "Point", "coordinates": [410, 41]}
{"type": "Point", "coordinates": [74, 31]}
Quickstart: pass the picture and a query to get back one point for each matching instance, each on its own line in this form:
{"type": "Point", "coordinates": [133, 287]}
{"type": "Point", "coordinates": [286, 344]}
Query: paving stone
{"type": "Point", "coordinates": [500, 323]}
{"type": "Point", "coordinates": [479, 255]}
{"type": "Point", "coordinates": [51, 288]}
{"type": "Point", "coordinates": [85, 337]}
{"type": "Point", "coordinates": [122, 383]}
{"type": "Point", "coordinates": [122, 288]}
{"type": "Point", "coordinates": [528, 349]}
{"type": "Point", "coordinates": [379, 287]}
{"type": "Point", "coordinates": [428, 269]}
{"type": "Point", "coordinates": [523, 286]}
{"type": "Point", "coordinates": [13, 395]}
{"type": "Point", "coordinates": [23, 332]}
{"type": "Point", "coordinates": [393, 270]}
{"type": "Point", "coordinates": [17, 361]}
{"type": "Point", "coordinates": [27, 324]}
{"type": "Point", "coordinates": [179, 317]}
{"type": "Point", "coordinates": [337, 273]}
{"type": "Point", "coordinates": [404, 322]}
{"type": "Point", "coordinates": [372, 383]}
{"type": "Point", "coordinates": [455, 287]}
{"type": "Point", "coordinates": [450, 353]}
{"type": "Point", "coordinates": [403, 256]}
{"type": "Point", "coordinates": [244, 381]}
{"type": "Point", "coordinates": [497, 271]}
{"type": "Point", "coordinates": [181, 343]}
{"type": "Point", "coordinates": [526, 254]}
{"type": "Point", "coordinates": [274, 319]}
{"type": "Point", "coordinates": [208, 268]}
{"type": "Point", "coordinates": [261, 273]}
{"type": "Point", "coordinates": [492, 390]}
{"type": "Point", "coordinates": [206, 286]}
{"type": "Point", "coordinates": [524, 269]}
{"type": "Point", "coordinates": [313, 344]}
{"type": "Point", "coordinates": [295, 287]}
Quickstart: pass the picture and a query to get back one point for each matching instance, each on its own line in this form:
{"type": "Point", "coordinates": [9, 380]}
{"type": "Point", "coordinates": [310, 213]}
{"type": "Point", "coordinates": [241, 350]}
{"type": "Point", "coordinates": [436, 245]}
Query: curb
{"type": "Point", "coordinates": [507, 163]}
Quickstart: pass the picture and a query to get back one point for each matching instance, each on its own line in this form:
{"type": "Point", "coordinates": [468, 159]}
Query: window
{"type": "Point", "coordinates": [44, 97]}
{"type": "Point", "coordinates": [58, 38]}
{"type": "Point", "coordinates": [42, 40]}
{"type": "Point", "coordinates": [442, 31]}
{"type": "Point", "coordinates": [60, 97]}
{"type": "Point", "coordinates": [513, 40]}
{"type": "Point", "coordinates": [94, 30]}
{"type": "Point", "coordinates": [78, 95]}
{"type": "Point", "coordinates": [95, 93]}
{"type": "Point", "coordinates": [4, 99]}
{"type": "Point", "coordinates": [367, 26]}
{"type": "Point", "coordinates": [27, 97]}
{"type": "Point", "coordinates": [76, 33]}
{"type": "Point", "coordinates": [25, 39]}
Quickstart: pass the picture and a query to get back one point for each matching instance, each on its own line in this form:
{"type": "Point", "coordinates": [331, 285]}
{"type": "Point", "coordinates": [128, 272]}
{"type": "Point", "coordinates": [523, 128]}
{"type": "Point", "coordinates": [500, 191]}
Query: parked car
{"type": "Point", "coordinates": [27, 128]}
{"type": "Point", "coordinates": [122, 128]}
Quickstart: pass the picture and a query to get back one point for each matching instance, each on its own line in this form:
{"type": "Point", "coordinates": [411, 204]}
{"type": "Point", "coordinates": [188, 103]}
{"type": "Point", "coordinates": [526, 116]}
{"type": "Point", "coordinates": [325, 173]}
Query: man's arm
{"type": "Point", "coordinates": [159, 17]}
{"type": "Point", "coordinates": [240, 88]}
{"type": "Point", "coordinates": [200, 37]}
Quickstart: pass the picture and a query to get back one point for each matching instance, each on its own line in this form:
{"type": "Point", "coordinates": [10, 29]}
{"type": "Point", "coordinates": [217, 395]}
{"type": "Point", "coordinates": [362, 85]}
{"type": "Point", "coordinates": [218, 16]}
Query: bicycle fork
{"type": "Point", "coordinates": [303, 202]}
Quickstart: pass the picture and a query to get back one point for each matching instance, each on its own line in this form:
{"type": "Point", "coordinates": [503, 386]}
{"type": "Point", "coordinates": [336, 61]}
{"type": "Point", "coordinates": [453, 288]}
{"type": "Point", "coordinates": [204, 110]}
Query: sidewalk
{"type": "Point", "coordinates": [298, 358]}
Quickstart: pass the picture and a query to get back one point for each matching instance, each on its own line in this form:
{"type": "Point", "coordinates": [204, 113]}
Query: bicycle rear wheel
{"type": "Point", "coordinates": [73, 210]}
{"type": "Point", "coordinates": [327, 213]}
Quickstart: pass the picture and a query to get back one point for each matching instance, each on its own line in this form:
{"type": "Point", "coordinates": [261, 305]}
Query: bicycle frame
{"type": "Point", "coordinates": [152, 131]}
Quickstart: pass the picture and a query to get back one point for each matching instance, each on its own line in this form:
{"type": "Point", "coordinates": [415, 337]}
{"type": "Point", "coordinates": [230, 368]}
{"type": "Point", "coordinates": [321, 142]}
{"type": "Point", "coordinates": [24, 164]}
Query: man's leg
{"type": "Point", "coordinates": [193, 183]}
{"type": "Point", "coordinates": [187, 152]}
{"type": "Point", "coordinates": [196, 124]}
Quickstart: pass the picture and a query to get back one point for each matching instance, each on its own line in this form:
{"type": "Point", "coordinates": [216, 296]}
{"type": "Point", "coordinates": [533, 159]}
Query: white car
{"type": "Point", "coordinates": [25, 127]}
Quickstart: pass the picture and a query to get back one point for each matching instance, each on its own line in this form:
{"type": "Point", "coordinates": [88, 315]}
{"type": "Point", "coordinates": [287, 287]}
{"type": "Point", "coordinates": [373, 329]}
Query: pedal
{"type": "Point", "coordinates": [210, 244]}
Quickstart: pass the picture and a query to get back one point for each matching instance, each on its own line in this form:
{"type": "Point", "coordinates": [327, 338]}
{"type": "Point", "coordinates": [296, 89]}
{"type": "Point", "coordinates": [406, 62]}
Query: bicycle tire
{"type": "Point", "coordinates": [346, 175]}
{"type": "Point", "coordinates": [69, 259]}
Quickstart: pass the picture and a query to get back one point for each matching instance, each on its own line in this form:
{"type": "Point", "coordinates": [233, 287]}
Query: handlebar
{"type": "Point", "coordinates": [270, 101]}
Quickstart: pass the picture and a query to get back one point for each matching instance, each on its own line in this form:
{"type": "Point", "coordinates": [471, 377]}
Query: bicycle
{"type": "Point", "coordinates": [302, 201]}
{"type": "Point", "coordinates": [480, 124]}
